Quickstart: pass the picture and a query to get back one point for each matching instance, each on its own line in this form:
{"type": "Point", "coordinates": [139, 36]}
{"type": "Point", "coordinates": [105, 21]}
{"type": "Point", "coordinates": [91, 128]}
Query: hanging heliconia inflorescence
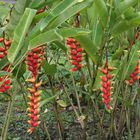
{"type": "Point", "coordinates": [34, 60]}
{"type": "Point", "coordinates": [107, 83]}
{"type": "Point", "coordinates": [76, 55]}
{"type": "Point", "coordinates": [5, 81]}
{"type": "Point", "coordinates": [106, 86]}
{"type": "Point", "coordinates": [134, 76]}
{"type": "Point", "coordinates": [75, 50]}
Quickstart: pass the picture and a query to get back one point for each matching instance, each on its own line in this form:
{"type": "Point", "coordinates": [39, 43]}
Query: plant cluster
{"type": "Point", "coordinates": [72, 57]}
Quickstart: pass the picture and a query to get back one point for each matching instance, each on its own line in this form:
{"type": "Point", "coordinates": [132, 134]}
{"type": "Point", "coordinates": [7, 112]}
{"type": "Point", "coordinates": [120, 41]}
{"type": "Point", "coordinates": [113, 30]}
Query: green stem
{"type": "Point", "coordinates": [7, 120]}
{"type": "Point", "coordinates": [57, 114]}
{"type": "Point", "coordinates": [24, 97]}
{"type": "Point", "coordinates": [128, 124]}
{"type": "Point", "coordinates": [75, 111]}
{"type": "Point", "coordinates": [47, 132]}
{"type": "Point", "coordinates": [76, 93]}
{"type": "Point", "coordinates": [99, 117]}
{"type": "Point", "coordinates": [59, 122]}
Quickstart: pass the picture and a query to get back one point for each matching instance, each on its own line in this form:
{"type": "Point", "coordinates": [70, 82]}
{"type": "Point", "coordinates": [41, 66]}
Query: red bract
{"type": "Point", "coordinates": [7, 43]}
{"type": "Point", "coordinates": [76, 55]}
{"type": "Point", "coordinates": [1, 39]}
{"type": "Point", "coordinates": [41, 10]}
{"type": "Point", "coordinates": [2, 49]}
{"type": "Point", "coordinates": [34, 59]}
{"type": "Point", "coordinates": [106, 86]}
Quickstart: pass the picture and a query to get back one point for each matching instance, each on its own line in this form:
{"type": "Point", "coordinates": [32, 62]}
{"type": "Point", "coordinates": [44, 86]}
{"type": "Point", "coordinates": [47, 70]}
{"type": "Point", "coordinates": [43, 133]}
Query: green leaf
{"type": "Point", "coordinates": [125, 25]}
{"type": "Point", "coordinates": [97, 34]}
{"type": "Point", "coordinates": [54, 35]}
{"type": "Point", "coordinates": [61, 7]}
{"type": "Point", "coordinates": [60, 45]}
{"type": "Point", "coordinates": [124, 5]}
{"type": "Point", "coordinates": [16, 14]}
{"type": "Point", "coordinates": [68, 13]}
{"type": "Point", "coordinates": [44, 38]}
{"type": "Point", "coordinates": [4, 10]}
{"type": "Point", "coordinates": [130, 13]}
{"type": "Point", "coordinates": [62, 103]}
{"type": "Point", "coordinates": [116, 3]}
{"type": "Point", "coordinates": [50, 15]}
{"type": "Point", "coordinates": [135, 21]}
{"type": "Point", "coordinates": [20, 33]}
{"type": "Point", "coordinates": [133, 60]}
{"type": "Point", "coordinates": [37, 4]}
{"type": "Point", "coordinates": [50, 69]}
{"type": "Point", "coordinates": [72, 32]}
{"type": "Point", "coordinates": [89, 47]}
{"type": "Point", "coordinates": [120, 27]}
{"type": "Point", "coordinates": [128, 66]}
{"type": "Point", "coordinates": [118, 53]}
{"type": "Point", "coordinates": [19, 70]}
{"type": "Point", "coordinates": [1, 30]}
{"type": "Point", "coordinates": [95, 25]}
{"type": "Point", "coordinates": [43, 102]}
{"type": "Point", "coordinates": [34, 32]}
{"type": "Point", "coordinates": [97, 84]}
{"type": "Point", "coordinates": [40, 16]}
{"type": "Point", "coordinates": [102, 10]}
{"type": "Point", "coordinates": [3, 62]}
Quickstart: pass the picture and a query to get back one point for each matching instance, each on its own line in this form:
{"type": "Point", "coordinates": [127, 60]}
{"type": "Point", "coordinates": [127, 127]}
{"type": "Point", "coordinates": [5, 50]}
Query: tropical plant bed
{"type": "Point", "coordinates": [70, 69]}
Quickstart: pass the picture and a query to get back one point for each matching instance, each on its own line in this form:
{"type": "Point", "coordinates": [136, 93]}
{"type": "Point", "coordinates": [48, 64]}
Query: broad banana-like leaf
{"type": "Point", "coordinates": [61, 7]}
{"type": "Point", "coordinates": [102, 10]}
{"type": "Point", "coordinates": [127, 66]}
{"type": "Point", "coordinates": [16, 14]}
{"type": "Point", "coordinates": [124, 5]}
{"type": "Point", "coordinates": [53, 35]}
{"type": "Point", "coordinates": [89, 47]}
{"type": "Point", "coordinates": [125, 25]}
{"type": "Point", "coordinates": [20, 33]}
{"type": "Point", "coordinates": [71, 11]}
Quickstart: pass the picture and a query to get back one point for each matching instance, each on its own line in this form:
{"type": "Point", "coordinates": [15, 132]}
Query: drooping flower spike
{"type": "Point", "coordinates": [106, 86]}
{"type": "Point", "coordinates": [34, 60]}
{"type": "Point", "coordinates": [75, 50]}
{"type": "Point", "coordinates": [75, 54]}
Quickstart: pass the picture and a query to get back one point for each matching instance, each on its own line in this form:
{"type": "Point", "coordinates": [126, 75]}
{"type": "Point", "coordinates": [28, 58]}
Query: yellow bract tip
{"type": "Point", "coordinates": [32, 80]}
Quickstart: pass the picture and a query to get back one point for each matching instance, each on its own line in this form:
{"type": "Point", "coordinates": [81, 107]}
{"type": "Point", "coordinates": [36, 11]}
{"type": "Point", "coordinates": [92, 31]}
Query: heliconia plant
{"type": "Point", "coordinates": [68, 79]}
